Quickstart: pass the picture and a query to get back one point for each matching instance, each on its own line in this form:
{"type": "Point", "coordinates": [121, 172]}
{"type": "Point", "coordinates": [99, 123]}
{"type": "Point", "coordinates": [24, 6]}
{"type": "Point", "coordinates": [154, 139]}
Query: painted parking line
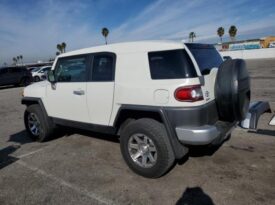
{"type": "Point", "coordinates": [30, 153]}
{"type": "Point", "coordinates": [79, 190]}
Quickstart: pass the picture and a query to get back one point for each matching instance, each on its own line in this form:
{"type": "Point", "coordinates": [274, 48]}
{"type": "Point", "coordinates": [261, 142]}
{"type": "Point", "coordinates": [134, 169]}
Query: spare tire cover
{"type": "Point", "coordinates": [232, 90]}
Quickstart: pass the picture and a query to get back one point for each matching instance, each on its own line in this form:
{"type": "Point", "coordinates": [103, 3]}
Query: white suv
{"type": "Point", "coordinates": [159, 96]}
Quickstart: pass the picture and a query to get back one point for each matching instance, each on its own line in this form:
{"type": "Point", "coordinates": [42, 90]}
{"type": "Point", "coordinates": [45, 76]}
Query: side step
{"type": "Point", "coordinates": [256, 109]}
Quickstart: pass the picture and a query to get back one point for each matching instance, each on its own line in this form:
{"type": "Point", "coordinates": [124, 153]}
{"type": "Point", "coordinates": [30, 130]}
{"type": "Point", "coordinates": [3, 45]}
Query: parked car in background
{"type": "Point", "coordinates": [31, 69]}
{"type": "Point", "coordinates": [40, 73]}
{"type": "Point", "coordinates": [272, 44]}
{"type": "Point", "coordinates": [15, 76]}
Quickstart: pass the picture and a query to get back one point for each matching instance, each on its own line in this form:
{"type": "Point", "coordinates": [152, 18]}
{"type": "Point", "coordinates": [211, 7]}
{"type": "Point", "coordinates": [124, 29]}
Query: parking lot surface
{"type": "Point", "coordinates": [87, 168]}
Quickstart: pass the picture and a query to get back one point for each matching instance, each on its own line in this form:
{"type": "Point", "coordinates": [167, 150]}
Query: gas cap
{"type": "Point", "coordinates": [161, 96]}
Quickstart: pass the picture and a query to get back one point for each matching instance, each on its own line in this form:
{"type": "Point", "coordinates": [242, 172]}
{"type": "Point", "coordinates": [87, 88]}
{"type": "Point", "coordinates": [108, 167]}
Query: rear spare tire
{"type": "Point", "coordinates": [232, 90]}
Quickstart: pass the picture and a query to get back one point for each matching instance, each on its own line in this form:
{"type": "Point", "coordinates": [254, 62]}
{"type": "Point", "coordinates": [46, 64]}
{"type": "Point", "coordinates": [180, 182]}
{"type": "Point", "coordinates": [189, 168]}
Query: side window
{"type": "Point", "coordinates": [16, 70]}
{"type": "Point", "coordinates": [3, 71]}
{"type": "Point", "coordinates": [172, 64]}
{"type": "Point", "coordinates": [103, 68]}
{"type": "Point", "coordinates": [72, 69]}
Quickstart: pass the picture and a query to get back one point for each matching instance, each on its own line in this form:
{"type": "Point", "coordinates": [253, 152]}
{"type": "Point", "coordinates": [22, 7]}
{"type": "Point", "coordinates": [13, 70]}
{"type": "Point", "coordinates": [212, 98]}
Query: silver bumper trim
{"type": "Point", "coordinates": [204, 135]}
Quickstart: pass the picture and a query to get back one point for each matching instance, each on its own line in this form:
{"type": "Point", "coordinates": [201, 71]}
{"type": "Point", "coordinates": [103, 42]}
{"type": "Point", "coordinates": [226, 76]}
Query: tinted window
{"type": "Point", "coordinates": [3, 70]}
{"type": "Point", "coordinates": [103, 68]}
{"type": "Point", "coordinates": [71, 69]}
{"type": "Point", "coordinates": [172, 64]}
{"type": "Point", "coordinates": [206, 56]}
{"type": "Point", "coordinates": [16, 69]}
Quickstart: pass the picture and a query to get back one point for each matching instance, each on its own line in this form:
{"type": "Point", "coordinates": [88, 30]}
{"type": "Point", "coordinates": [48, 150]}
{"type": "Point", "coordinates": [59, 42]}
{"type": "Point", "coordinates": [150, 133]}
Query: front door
{"type": "Point", "coordinates": [67, 98]}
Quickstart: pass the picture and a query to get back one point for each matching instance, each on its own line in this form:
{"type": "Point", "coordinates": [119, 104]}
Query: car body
{"type": "Point", "coordinates": [40, 73]}
{"type": "Point", "coordinates": [160, 97]}
{"type": "Point", "coordinates": [272, 44]}
{"type": "Point", "coordinates": [17, 75]}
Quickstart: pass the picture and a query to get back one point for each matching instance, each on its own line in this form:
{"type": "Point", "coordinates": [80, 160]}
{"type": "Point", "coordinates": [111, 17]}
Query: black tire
{"type": "Point", "coordinates": [46, 125]}
{"type": "Point", "coordinates": [25, 81]}
{"type": "Point", "coordinates": [232, 90]}
{"type": "Point", "coordinates": [156, 132]}
{"type": "Point", "coordinates": [36, 79]}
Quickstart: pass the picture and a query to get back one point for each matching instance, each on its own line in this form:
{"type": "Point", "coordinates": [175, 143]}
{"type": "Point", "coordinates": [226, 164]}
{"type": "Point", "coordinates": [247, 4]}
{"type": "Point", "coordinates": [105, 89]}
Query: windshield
{"type": "Point", "coordinates": [35, 69]}
{"type": "Point", "coordinates": [206, 56]}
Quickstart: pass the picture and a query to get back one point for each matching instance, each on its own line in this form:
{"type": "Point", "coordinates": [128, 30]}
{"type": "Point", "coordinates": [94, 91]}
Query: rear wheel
{"type": "Point", "coordinates": [36, 79]}
{"type": "Point", "coordinates": [25, 81]}
{"type": "Point", "coordinates": [38, 126]}
{"type": "Point", "coordinates": [146, 148]}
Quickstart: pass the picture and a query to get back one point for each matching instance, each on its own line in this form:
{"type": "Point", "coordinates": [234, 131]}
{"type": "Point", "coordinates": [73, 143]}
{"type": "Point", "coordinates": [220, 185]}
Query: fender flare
{"type": "Point", "coordinates": [33, 100]}
{"type": "Point", "coordinates": [178, 149]}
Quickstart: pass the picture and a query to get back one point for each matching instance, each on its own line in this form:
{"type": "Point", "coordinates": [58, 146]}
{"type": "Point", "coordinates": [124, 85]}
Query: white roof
{"type": "Point", "coordinates": [129, 47]}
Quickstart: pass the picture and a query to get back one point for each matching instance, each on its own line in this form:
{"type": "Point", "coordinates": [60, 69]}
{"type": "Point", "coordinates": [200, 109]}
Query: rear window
{"type": "Point", "coordinates": [172, 64]}
{"type": "Point", "coordinates": [206, 56]}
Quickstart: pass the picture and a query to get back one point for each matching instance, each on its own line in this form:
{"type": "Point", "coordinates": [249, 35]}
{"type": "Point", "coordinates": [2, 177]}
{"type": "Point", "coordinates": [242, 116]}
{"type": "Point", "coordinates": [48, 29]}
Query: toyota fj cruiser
{"type": "Point", "coordinates": [158, 96]}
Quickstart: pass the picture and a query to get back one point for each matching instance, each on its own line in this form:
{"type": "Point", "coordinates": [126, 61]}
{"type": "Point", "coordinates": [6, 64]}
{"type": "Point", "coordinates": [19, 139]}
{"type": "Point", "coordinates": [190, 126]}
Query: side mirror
{"type": "Point", "coordinates": [51, 77]}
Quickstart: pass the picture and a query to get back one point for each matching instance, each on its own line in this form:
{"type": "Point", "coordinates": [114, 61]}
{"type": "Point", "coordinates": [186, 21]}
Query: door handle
{"type": "Point", "coordinates": [79, 92]}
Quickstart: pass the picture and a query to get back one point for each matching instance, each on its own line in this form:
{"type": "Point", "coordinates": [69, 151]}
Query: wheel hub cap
{"type": "Point", "coordinates": [142, 150]}
{"type": "Point", "coordinates": [34, 124]}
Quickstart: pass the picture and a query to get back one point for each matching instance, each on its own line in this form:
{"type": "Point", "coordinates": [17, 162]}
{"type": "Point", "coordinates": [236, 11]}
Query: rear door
{"type": "Point", "coordinates": [100, 88]}
{"type": "Point", "coordinates": [4, 76]}
{"type": "Point", "coordinates": [15, 75]}
{"type": "Point", "coordinates": [67, 98]}
{"type": "Point", "coordinates": [208, 60]}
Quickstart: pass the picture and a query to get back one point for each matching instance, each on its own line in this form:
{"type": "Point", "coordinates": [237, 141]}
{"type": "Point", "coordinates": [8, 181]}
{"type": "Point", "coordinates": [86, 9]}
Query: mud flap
{"type": "Point", "coordinates": [256, 109]}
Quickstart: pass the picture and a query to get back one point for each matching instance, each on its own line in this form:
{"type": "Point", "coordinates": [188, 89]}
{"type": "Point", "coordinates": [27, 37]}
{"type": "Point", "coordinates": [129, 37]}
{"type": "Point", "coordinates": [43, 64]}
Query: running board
{"type": "Point", "coordinates": [256, 109]}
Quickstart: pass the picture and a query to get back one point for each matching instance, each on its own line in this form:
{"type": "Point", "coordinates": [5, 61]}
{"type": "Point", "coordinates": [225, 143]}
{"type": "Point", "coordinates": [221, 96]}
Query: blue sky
{"type": "Point", "coordinates": [34, 27]}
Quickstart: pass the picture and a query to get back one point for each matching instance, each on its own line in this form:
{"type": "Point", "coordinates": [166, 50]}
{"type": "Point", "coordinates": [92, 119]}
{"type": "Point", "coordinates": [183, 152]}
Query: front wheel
{"type": "Point", "coordinates": [38, 126]}
{"type": "Point", "coordinates": [146, 148]}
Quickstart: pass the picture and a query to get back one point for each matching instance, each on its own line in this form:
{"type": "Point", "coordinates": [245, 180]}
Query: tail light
{"type": "Point", "coordinates": [189, 93]}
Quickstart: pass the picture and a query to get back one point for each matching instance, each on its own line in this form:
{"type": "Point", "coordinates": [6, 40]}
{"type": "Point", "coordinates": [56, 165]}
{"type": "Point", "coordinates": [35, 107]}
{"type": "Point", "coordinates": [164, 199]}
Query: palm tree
{"type": "Point", "coordinates": [232, 32]}
{"type": "Point", "coordinates": [63, 45]}
{"type": "Point", "coordinates": [59, 47]}
{"type": "Point", "coordinates": [14, 60]}
{"type": "Point", "coordinates": [192, 35]}
{"type": "Point", "coordinates": [21, 57]}
{"type": "Point", "coordinates": [18, 58]}
{"type": "Point", "coordinates": [220, 32]}
{"type": "Point", "coordinates": [57, 53]}
{"type": "Point", "coordinates": [105, 33]}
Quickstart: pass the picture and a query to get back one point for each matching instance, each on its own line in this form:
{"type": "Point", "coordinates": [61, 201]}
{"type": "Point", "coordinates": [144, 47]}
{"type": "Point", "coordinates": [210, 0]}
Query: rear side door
{"type": "Point", "coordinates": [67, 98]}
{"type": "Point", "coordinates": [4, 76]}
{"type": "Point", "coordinates": [15, 75]}
{"type": "Point", "coordinates": [208, 60]}
{"type": "Point", "coordinates": [100, 88]}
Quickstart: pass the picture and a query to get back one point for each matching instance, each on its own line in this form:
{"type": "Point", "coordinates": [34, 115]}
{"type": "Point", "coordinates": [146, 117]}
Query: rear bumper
{"type": "Point", "coordinates": [206, 134]}
{"type": "Point", "coordinates": [199, 125]}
